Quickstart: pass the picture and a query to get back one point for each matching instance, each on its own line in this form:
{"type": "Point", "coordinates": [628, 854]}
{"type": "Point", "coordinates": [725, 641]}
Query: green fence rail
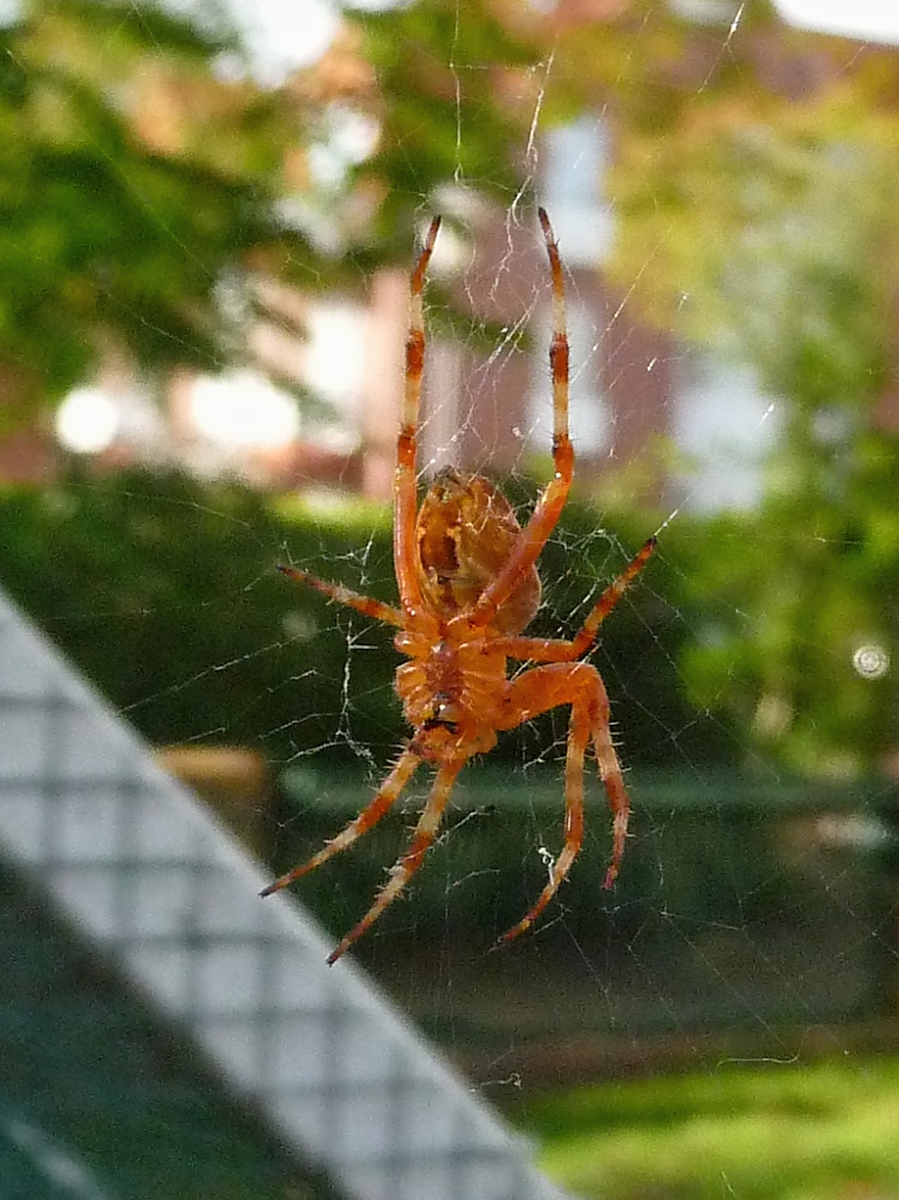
{"type": "Point", "coordinates": [741, 902]}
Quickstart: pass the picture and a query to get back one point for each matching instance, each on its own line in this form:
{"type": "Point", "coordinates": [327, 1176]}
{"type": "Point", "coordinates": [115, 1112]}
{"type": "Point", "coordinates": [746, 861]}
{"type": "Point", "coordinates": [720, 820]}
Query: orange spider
{"type": "Point", "coordinates": [468, 586]}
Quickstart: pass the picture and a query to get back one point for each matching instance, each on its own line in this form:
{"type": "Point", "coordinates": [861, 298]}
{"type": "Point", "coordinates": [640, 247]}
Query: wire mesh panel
{"type": "Point", "coordinates": [161, 889]}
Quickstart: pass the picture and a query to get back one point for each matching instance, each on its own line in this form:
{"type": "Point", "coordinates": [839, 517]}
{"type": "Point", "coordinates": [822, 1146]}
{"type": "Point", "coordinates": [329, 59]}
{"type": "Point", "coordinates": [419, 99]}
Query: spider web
{"type": "Point", "coordinates": [749, 925]}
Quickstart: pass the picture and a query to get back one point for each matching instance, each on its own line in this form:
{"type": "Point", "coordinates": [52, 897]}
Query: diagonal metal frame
{"type": "Point", "coordinates": [161, 889]}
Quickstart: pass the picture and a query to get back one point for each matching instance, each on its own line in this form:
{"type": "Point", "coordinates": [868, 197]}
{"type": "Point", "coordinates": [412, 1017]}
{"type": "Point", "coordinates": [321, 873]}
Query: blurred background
{"type": "Point", "coordinates": [209, 215]}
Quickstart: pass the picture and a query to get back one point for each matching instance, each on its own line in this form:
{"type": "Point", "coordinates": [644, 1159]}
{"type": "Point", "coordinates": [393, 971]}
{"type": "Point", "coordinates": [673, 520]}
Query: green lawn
{"type": "Point", "coordinates": [797, 1131]}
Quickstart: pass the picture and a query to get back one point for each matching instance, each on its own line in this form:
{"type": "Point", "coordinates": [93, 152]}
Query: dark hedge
{"type": "Point", "coordinates": [165, 593]}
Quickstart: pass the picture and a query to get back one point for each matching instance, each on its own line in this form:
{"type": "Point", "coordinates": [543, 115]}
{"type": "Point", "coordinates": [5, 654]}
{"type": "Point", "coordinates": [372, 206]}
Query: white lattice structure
{"type": "Point", "coordinates": [160, 888]}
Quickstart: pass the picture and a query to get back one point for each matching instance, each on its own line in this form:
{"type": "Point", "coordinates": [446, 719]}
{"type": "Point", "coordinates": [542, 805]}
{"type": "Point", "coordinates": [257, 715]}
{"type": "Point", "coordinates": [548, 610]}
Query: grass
{"type": "Point", "coordinates": [767, 1132]}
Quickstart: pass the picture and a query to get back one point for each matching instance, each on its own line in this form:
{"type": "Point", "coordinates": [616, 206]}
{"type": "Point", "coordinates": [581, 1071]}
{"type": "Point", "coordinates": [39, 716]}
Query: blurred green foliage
{"type": "Point", "coordinates": [453, 111]}
{"type": "Point", "coordinates": [165, 592]}
{"type": "Point", "coordinates": [147, 185]}
{"type": "Point", "coordinates": [120, 217]}
{"type": "Point", "coordinates": [757, 218]}
{"type": "Point", "coordinates": [772, 1132]}
{"type": "Point", "coordinates": [800, 637]}
{"type": "Point", "coordinates": [149, 182]}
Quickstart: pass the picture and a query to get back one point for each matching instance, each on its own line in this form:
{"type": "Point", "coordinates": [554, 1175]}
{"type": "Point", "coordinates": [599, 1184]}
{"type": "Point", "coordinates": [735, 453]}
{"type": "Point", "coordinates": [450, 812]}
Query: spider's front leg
{"type": "Point", "coordinates": [579, 685]}
{"type": "Point", "coordinates": [367, 605]}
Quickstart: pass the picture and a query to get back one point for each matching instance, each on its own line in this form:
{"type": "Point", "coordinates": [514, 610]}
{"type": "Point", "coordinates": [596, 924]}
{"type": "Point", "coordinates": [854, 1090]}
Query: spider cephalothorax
{"type": "Point", "coordinates": [467, 578]}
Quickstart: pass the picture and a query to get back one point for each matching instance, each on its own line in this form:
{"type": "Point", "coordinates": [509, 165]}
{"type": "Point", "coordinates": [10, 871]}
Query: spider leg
{"type": "Point", "coordinates": [616, 793]}
{"type": "Point", "coordinates": [406, 866]}
{"type": "Point", "coordinates": [557, 650]}
{"type": "Point", "coordinates": [546, 513]}
{"type": "Point", "coordinates": [610, 597]}
{"type": "Point", "coordinates": [369, 817]}
{"type": "Point", "coordinates": [579, 685]}
{"type": "Point", "coordinates": [368, 606]}
{"type": "Point", "coordinates": [405, 484]}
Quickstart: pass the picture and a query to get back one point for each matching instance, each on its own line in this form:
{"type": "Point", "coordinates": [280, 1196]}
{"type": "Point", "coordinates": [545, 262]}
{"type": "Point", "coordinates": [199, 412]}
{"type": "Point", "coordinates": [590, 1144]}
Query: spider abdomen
{"type": "Point", "coordinates": [464, 534]}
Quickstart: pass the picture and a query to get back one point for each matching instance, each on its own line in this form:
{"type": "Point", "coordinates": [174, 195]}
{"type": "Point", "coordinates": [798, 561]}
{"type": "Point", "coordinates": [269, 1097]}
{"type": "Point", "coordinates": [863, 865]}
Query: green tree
{"type": "Point", "coordinates": [147, 181]}
{"type": "Point", "coordinates": [757, 218]}
{"type": "Point", "coordinates": [122, 217]}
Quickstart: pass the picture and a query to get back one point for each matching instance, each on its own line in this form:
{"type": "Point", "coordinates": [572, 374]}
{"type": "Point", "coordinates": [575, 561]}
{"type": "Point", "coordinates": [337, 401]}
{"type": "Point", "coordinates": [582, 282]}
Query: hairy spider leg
{"type": "Point", "coordinates": [406, 866]}
{"type": "Point", "coordinates": [405, 484]}
{"type": "Point", "coordinates": [383, 801]}
{"type": "Point", "coordinates": [548, 509]}
{"type": "Point", "coordinates": [366, 605]}
{"type": "Point", "coordinates": [610, 597]}
{"type": "Point", "coordinates": [558, 650]}
{"type": "Point", "coordinates": [406, 496]}
{"type": "Point", "coordinates": [579, 685]}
